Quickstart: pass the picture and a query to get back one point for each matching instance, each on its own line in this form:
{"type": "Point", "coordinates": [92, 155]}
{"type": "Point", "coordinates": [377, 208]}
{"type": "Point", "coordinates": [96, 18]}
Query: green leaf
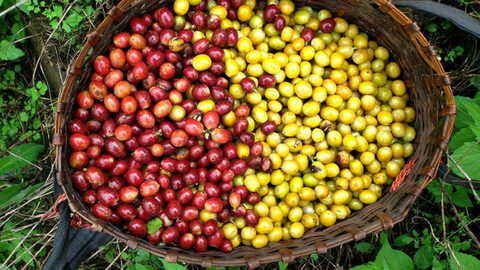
{"type": "Point", "coordinates": [36, 123]}
{"type": "Point", "coordinates": [446, 25]}
{"type": "Point", "coordinates": [89, 10]}
{"type": "Point", "coordinates": [42, 87]}
{"type": "Point", "coordinates": [234, 268]}
{"type": "Point", "coordinates": [465, 245]}
{"type": "Point", "coordinates": [459, 50]}
{"type": "Point", "coordinates": [9, 52]}
{"type": "Point", "coordinates": [460, 198]}
{"type": "Point", "coordinates": [18, 31]}
{"type": "Point", "coordinates": [363, 247]}
{"type": "Point", "coordinates": [142, 256]}
{"type": "Point", "coordinates": [476, 83]}
{"type": "Point", "coordinates": [20, 196]}
{"type": "Point", "coordinates": [58, 10]}
{"type": "Point", "coordinates": [423, 258]}
{"type": "Point", "coordinates": [124, 255]}
{"type": "Point", "coordinates": [74, 19]}
{"type": "Point", "coordinates": [140, 267]}
{"type": "Point", "coordinates": [466, 261]}
{"type": "Point", "coordinates": [436, 265]}
{"type": "Point", "coordinates": [172, 266]}
{"type": "Point", "coordinates": [467, 134]}
{"type": "Point", "coordinates": [467, 113]}
{"type": "Point", "coordinates": [393, 259]}
{"type": "Point", "coordinates": [28, 152]}
{"type": "Point", "coordinates": [467, 157]}
{"type": "Point", "coordinates": [432, 28]}
{"type": "Point", "coordinates": [9, 193]}
{"type": "Point", "coordinates": [383, 237]}
{"type": "Point", "coordinates": [66, 27]}
{"type": "Point", "coordinates": [23, 116]}
{"type": "Point", "coordinates": [54, 23]}
{"type": "Point", "coordinates": [371, 266]}
{"type": "Point", "coordinates": [282, 265]}
{"type": "Point", "coordinates": [153, 225]}
{"type": "Point", "coordinates": [403, 240]}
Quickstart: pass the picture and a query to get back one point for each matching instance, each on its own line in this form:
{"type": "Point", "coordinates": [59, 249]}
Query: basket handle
{"type": "Point", "coordinates": [456, 16]}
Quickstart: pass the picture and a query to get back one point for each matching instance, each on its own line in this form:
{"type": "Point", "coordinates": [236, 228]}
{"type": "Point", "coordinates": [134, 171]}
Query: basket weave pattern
{"type": "Point", "coordinates": [431, 96]}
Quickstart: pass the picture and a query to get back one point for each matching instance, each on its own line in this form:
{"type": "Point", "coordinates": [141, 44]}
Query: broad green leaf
{"type": "Point", "coordinates": [466, 261]}
{"type": "Point", "coordinates": [27, 152]}
{"type": "Point", "coordinates": [18, 31]}
{"type": "Point", "coordinates": [172, 266]}
{"type": "Point", "coordinates": [8, 193]}
{"type": "Point", "coordinates": [383, 237]}
{"type": "Point", "coordinates": [142, 256]}
{"type": "Point", "coordinates": [477, 96]}
{"type": "Point", "coordinates": [436, 265]}
{"type": "Point", "coordinates": [54, 23]}
{"type": "Point", "coordinates": [58, 10]}
{"type": "Point", "coordinates": [9, 52]}
{"type": "Point", "coordinates": [467, 113]}
{"type": "Point", "coordinates": [434, 188]}
{"type": "Point", "coordinates": [468, 134]}
{"type": "Point", "coordinates": [74, 19]}
{"type": "Point", "coordinates": [153, 225]}
{"type": "Point", "coordinates": [393, 259]}
{"type": "Point", "coordinates": [66, 27]}
{"type": "Point", "coordinates": [282, 265]}
{"type": "Point", "coordinates": [363, 247]}
{"type": "Point", "coordinates": [467, 157]}
{"type": "Point", "coordinates": [403, 240]}
{"type": "Point", "coordinates": [234, 268]}
{"type": "Point", "coordinates": [476, 130]}
{"type": "Point", "coordinates": [371, 266]}
{"type": "Point", "coordinates": [460, 197]}
{"type": "Point", "coordinates": [20, 196]}
{"type": "Point", "coordinates": [140, 267]}
{"type": "Point", "coordinates": [423, 258]}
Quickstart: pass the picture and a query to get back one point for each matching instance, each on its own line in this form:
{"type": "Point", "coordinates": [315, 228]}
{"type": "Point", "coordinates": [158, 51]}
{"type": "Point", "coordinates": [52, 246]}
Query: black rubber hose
{"type": "Point", "coordinates": [459, 18]}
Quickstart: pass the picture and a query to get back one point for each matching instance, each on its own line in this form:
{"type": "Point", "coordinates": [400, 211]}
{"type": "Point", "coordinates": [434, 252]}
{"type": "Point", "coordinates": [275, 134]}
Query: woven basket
{"type": "Point", "coordinates": [431, 97]}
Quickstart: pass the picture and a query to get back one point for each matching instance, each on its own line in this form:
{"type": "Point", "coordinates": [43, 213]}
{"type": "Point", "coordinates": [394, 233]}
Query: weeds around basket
{"type": "Point", "coordinates": [430, 92]}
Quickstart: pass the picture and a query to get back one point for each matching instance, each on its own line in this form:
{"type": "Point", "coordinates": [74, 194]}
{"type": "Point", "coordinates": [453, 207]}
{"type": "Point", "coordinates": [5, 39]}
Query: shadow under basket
{"type": "Point", "coordinates": [431, 97]}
